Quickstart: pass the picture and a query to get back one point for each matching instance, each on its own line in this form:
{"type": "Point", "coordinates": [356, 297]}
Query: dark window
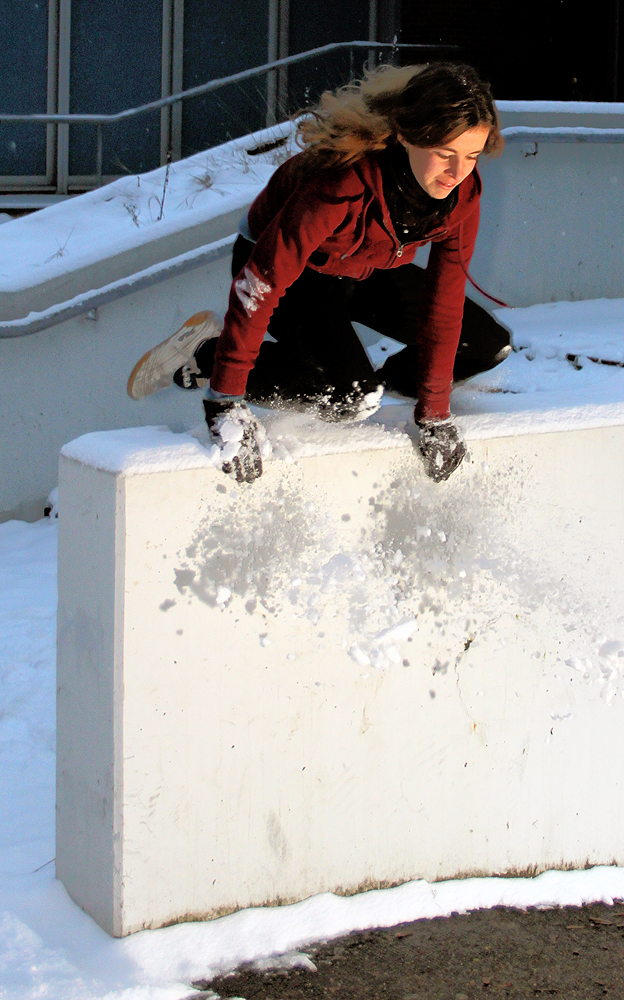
{"type": "Point", "coordinates": [536, 50]}
{"type": "Point", "coordinates": [23, 85]}
{"type": "Point", "coordinates": [115, 64]}
{"type": "Point", "coordinates": [333, 22]}
{"type": "Point", "coordinates": [221, 38]}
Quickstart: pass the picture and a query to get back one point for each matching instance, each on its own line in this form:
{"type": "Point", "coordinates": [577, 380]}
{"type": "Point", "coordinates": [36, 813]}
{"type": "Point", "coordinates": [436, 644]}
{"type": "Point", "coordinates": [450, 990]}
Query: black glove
{"type": "Point", "coordinates": [441, 448]}
{"type": "Point", "coordinates": [232, 424]}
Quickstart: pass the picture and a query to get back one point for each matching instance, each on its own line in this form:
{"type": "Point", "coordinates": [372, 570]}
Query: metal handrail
{"type": "Point", "coordinates": [205, 88]}
{"type": "Point", "coordinates": [87, 303]}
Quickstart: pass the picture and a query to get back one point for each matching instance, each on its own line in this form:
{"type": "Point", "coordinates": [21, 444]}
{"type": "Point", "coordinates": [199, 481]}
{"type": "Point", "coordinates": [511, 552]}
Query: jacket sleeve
{"type": "Point", "coordinates": [440, 318]}
{"type": "Point", "coordinates": [309, 215]}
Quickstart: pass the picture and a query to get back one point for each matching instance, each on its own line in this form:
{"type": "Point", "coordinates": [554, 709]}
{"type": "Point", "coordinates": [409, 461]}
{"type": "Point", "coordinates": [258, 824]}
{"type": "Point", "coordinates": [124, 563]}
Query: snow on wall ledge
{"type": "Point", "coordinates": [340, 677]}
{"type": "Point", "coordinates": [105, 235]}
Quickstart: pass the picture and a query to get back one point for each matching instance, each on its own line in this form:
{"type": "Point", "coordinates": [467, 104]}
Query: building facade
{"type": "Point", "coordinates": [104, 56]}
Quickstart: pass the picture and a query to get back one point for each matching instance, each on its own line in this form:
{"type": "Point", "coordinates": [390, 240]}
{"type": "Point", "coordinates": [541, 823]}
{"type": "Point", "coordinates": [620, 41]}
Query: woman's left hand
{"type": "Point", "coordinates": [441, 448]}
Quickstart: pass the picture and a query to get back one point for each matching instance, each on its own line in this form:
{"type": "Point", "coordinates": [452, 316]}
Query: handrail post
{"type": "Point", "coordinates": [99, 154]}
{"type": "Point", "coordinates": [272, 54]}
{"type": "Point", "coordinates": [64, 55]}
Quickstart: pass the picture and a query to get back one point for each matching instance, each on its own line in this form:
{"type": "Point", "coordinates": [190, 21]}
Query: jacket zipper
{"type": "Point", "coordinates": [401, 246]}
{"type": "Point", "coordinates": [393, 236]}
{"type": "Point", "coordinates": [419, 243]}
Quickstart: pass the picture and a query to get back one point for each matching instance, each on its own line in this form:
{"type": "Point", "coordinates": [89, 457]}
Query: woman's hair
{"type": "Point", "coordinates": [427, 105]}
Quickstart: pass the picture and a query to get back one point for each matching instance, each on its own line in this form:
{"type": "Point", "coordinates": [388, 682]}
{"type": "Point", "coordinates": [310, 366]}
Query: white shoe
{"type": "Point", "coordinates": [155, 370]}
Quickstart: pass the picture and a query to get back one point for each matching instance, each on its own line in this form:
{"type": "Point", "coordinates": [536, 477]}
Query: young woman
{"type": "Point", "coordinates": [387, 165]}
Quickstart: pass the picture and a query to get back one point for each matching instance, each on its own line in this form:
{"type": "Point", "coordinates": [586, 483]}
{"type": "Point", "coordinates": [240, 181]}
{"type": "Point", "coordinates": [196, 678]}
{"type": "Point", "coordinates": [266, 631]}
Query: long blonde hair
{"type": "Point", "coordinates": [425, 104]}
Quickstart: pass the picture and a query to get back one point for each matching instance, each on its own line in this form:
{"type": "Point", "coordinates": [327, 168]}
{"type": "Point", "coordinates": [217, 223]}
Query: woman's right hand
{"type": "Point", "coordinates": [235, 430]}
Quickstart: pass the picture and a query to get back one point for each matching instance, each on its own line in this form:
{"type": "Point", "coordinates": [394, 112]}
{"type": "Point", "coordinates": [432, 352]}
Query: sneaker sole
{"type": "Point", "coordinates": [154, 371]}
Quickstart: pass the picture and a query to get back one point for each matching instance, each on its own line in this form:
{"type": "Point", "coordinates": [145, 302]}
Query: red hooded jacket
{"type": "Point", "coordinates": [343, 214]}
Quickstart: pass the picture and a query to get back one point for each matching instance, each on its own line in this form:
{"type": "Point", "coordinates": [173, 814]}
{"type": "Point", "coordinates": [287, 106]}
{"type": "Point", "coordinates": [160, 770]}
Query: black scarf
{"type": "Point", "coordinates": [413, 212]}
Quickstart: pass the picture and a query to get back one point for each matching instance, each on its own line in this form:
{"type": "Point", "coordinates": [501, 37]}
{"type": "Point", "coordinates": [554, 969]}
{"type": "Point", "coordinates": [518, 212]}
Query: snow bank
{"type": "Point", "coordinates": [290, 436]}
{"type": "Point", "coordinates": [140, 450]}
{"type": "Point", "coordinates": [594, 327]}
{"type": "Point", "coordinates": [49, 948]}
{"type": "Point", "coordinates": [133, 211]}
{"type": "Point", "coordinates": [566, 372]}
{"type": "Point", "coordinates": [563, 107]}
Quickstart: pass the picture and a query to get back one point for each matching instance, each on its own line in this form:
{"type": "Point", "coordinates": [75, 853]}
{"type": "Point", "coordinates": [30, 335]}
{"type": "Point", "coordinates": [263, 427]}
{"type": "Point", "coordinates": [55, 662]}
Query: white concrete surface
{"type": "Point", "coordinates": [552, 224]}
{"type": "Point", "coordinates": [225, 737]}
{"type": "Point", "coordinates": [551, 214]}
{"type": "Point", "coordinates": [20, 303]}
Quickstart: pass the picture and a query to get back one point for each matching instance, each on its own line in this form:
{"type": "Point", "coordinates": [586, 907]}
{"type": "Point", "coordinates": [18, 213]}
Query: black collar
{"type": "Point", "coordinates": [413, 212]}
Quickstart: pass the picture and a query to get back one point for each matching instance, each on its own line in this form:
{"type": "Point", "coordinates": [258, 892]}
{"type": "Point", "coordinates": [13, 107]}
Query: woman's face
{"type": "Point", "coordinates": [442, 168]}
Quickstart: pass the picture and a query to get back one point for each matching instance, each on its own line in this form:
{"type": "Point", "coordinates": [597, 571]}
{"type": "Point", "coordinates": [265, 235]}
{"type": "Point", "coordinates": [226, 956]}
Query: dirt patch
{"type": "Point", "coordinates": [572, 953]}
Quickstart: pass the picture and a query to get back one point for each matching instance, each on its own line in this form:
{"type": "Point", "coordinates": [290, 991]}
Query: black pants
{"type": "Point", "coordinates": [317, 351]}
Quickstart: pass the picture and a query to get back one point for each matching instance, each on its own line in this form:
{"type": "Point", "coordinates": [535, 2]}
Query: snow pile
{"type": "Point", "coordinates": [300, 435]}
{"type": "Point", "coordinates": [135, 210]}
{"type": "Point", "coordinates": [591, 328]}
{"type": "Point", "coordinates": [289, 436]}
{"type": "Point", "coordinates": [567, 356]}
{"type": "Point", "coordinates": [419, 565]}
{"type": "Point", "coordinates": [142, 449]}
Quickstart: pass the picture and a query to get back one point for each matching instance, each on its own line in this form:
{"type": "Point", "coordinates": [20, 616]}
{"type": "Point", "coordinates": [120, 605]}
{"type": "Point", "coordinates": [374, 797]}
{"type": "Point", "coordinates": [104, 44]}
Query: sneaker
{"type": "Point", "coordinates": [189, 376]}
{"type": "Point", "coordinates": [156, 369]}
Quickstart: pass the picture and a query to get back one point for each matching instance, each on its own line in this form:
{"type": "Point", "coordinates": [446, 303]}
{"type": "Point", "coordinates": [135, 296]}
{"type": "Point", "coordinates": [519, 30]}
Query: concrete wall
{"type": "Point", "coordinates": [551, 229]}
{"type": "Point", "coordinates": [552, 213]}
{"type": "Point", "coordinates": [341, 677]}
{"type": "Point", "coordinates": [552, 224]}
{"type": "Point", "coordinates": [18, 304]}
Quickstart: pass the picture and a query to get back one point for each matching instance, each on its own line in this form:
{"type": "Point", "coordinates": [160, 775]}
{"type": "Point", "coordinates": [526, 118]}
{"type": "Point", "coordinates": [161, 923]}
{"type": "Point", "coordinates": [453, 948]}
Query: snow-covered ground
{"type": "Point", "coordinates": [566, 371]}
{"type": "Point", "coordinates": [569, 350]}
{"type": "Point", "coordinates": [48, 947]}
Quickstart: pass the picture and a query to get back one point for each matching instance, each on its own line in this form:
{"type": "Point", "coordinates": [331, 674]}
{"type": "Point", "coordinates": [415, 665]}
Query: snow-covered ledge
{"type": "Point", "coordinates": [342, 676]}
{"type": "Point", "coordinates": [80, 246]}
